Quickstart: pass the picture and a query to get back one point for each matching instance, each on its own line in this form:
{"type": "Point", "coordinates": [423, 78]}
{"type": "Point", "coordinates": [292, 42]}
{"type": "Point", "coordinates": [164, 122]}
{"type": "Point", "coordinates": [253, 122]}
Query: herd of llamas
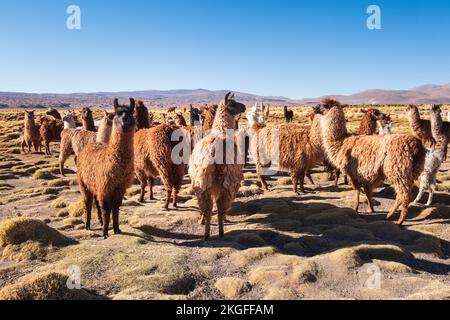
{"type": "Point", "coordinates": [128, 144]}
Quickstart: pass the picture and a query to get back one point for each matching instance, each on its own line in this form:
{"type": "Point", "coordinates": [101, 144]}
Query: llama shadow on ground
{"type": "Point", "coordinates": [310, 229]}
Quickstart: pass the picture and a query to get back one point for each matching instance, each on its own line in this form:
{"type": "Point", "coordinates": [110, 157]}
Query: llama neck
{"type": "Point", "coordinates": [29, 123]}
{"type": "Point", "coordinates": [121, 146]}
{"type": "Point", "coordinates": [315, 132]}
{"type": "Point", "coordinates": [88, 124]}
{"type": "Point", "coordinates": [334, 131]}
{"type": "Point", "coordinates": [368, 126]}
{"type": "Point", "coordinates": [223, 121]}
{"type": "Point", "coordinates": [104, 132]}
{"type": "Point", "coordinates": [414, 118]}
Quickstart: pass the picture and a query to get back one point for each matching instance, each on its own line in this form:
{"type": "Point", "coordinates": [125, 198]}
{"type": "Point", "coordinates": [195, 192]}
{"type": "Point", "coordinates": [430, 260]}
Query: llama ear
{"type": "Point", "coordinates": [116, 104]}
{"type": "Point", "coordinates": [363, 111]}
{"type": "Point", "coordinates": [227, 97]}
{"type": "Point", "coordinates": [132, 104]}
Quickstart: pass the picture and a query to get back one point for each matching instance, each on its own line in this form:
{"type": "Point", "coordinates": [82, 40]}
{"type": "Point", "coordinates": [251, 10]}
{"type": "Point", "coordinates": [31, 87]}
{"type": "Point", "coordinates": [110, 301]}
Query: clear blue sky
{"type": "Point", "coordinates": [292, 48]}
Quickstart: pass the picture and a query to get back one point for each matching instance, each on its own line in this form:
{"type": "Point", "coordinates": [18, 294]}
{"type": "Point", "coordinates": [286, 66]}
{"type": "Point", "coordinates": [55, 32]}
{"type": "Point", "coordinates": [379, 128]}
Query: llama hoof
{"type": "Point", "coordinates": [105, 237]}
{"type": "Point", "coordinates": [399, 223]}
{"type": "Point", "coordinates": [88, 228]}
{"type": "Point", "coordinates": [201, 222]}
{"type": "Point", "coordinates": [118, 231]}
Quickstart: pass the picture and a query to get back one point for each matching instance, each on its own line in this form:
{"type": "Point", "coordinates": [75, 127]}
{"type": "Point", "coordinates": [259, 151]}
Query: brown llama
{"type": "Point", "coordinates": [31, 136]}
{"type": "Point", "coordinates": [298, 147]}
{"type": "Point", "coordinates": [50, 131]}
{"type": "Point", "coordinates": [87, 120]}
{"type": "Point", "coordinates": [141, 116]}
{"type": "Point", "coordinates": [171, 110]}
{"type": "Point", "coordinates": [153, 157]}
{"type": "Point", "coordinates": [369, 120]}
{"type": "Point", "coordinates": [214, 179]}
{"type": "Point", "coordinates": [54, 113]}
{"type": "Point", "coordinates": [370, 160]}
{"type": "Point", "coordinates": [288, 115]}
{"type": "Point", "coordinates": [208, 116]}
{"type": "Point", "coordinates": [74, 140]}
{"type": "Point", "coordinates": [421, 128]}
{"type": "Point", "coordinates": [105, 171]}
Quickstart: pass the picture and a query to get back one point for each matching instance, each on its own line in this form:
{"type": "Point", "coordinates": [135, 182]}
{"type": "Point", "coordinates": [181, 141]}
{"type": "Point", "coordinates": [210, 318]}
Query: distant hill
{"type": "Point", "coordinates": [152, 98]}
{"type": "Point", "coordinates": [425, 94]}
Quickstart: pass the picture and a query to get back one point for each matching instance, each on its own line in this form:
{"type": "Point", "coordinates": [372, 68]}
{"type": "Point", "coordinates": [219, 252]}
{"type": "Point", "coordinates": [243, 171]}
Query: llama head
{"type": "Point", "coordinates": [109, 118]}
{"type": "Point", "coordinates": [53, 112]}
{"type": "Point", "coordinates": [412, 109]}
{"type": "Point", "coordinates": [179, 119]}
{"type": "Point", "coordinates": [436, 108]}
{"type": "Point", "coordinates": [374, 114]}
{"type": "Point", "coordinates": [330, 112]}
{"type": "Point", "coordinates": [231, 106]}
{"type": "Point", "coordinates": [29, 114]}
{"type": "Point", "coordinates": [86, 113]}
{"type": "Point", "coordinates": [69, 121]}
{"type": "Point", "coordinates": [124, 116]}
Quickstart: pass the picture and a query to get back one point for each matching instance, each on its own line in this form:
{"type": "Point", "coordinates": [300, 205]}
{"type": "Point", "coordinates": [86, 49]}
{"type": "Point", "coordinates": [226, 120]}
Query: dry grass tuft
{"type": "Point", "coordinates": [50, 286]}
{"type": "Point", "coordinates": [59, 203]}
{"type": "Point", "coordinates": [232, 288]}
{"type": "Point", "coordinates": [75, 209]}
{"type": "Point", "coordinates": [20, 230]}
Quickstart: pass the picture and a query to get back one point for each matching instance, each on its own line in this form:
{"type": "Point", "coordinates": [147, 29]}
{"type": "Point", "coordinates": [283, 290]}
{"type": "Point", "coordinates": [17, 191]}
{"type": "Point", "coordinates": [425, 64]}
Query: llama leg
{"type": "Point", "coordinates": [302, 181]}
{"type": "Point", "coordinates": [115, 217]}
{"type": "Point", "coordinates": [175, 191]}
{"type": "Point", "coordinates": [87, 205]}
{"type": "Point", "coordinates": [23, 146]}
{"type": "Point", "coordinates": [168, 196]}
{"type": "Point", "coordinates": [36, 146]}
{"type": "Point", "coordinates": [431, 194]}
{"type": "Point", "coordinates": [294, 177]}
{"type": "Point", "coordinates": [29, 147]}
{"type": "Point", "coordinates": [369, 195]}
{"type": "Point", "coordinates": [393, 209]}
{"type": "Point", "coordinates": [206, 205]}
{"type": "Point", "coordinates": [419, 196]}
{"type": "Point", "coordinates": [357, 194]}
{"type": "Point", "coordinates": [309, 176]}
{"type": "Point", "coordinates": [263, 182]}
{"type": "Point", "coordinates": [106, 212]}
{"type": "Point", "coordinates": [99, 211]}
{"type": "Point", "coordinates": [337, 175]}
{"type": "Point", "coordinates": [143, 186]}
{"type": "Point", "coordinates": [151, 183]}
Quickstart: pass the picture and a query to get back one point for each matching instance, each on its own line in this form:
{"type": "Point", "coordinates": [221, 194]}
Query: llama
{"type": "Point", "coordinates": [153, 157]}
{"type": "Point", "coordinates": [434, 158]}
{"type": "Point", "coordinates": [31, 136]}
{"type": "Point", "coordinates": [54, 113]}
{"type": "Point", "coordinates": [105, 171]}
{"type": "Point", "coordinates": [369, 160]}
{"type": "Point", "coordinates": [50, 130]}
{"type": "Point", "coordinates": [208, 115]}
{"type": "Point", "coordinates": [195, 116]}
{"type": "Point", "coordinates": [440, 129]}
{"type": "Point", "coordinates": [141, 116]}
{"type": "Point", "coordinates": [87, 120]}
{"type": "Point", "coordinates": [299, 149]}
{"type": "Point", "coordinates": [368, 124]}
{"type": "Point", "coordinates": [213, 182]}
{"type": "Point", "coordinates": [171, 110]}
{"type": "Point", "coordinates": [421, 128]}
{"type": "Point", "coordinates": [74, 140]}
{"type": "Point", "coordinates": [288, 115]}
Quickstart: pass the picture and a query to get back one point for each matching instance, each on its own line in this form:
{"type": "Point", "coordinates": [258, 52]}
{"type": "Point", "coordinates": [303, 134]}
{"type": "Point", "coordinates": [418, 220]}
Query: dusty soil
{"type": "Point", "coordinates": [277, 246]}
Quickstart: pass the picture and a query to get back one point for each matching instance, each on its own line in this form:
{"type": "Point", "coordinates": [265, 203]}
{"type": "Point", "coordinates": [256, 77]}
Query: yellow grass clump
{"type": "Point", "coordinates": [49, 286]}
{"type": "Point", "coordinates": [20, 230]}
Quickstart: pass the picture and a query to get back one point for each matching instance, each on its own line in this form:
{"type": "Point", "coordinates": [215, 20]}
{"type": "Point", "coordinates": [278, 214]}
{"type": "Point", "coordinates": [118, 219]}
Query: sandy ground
{"type": "Point", "coordinates": [277, 246]}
